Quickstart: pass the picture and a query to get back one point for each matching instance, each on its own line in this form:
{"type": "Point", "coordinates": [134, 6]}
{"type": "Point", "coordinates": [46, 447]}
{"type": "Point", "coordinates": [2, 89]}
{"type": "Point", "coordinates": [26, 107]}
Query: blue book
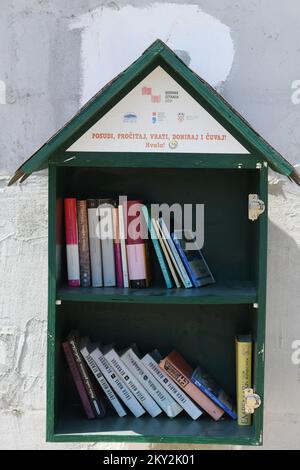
{"type": "Point", "coordinates": [157, 249]}
{"type": "Point", "coordinates": [193, 260]}
{"type": "Point", "coordinates": [208, 386]}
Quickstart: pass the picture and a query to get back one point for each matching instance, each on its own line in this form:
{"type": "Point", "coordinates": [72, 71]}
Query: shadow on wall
{"type": "Point", "coordinates": [282, 378]}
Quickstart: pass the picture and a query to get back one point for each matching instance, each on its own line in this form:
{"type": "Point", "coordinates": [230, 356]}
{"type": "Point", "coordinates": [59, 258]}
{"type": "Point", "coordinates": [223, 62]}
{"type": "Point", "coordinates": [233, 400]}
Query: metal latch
{"type": "Point", "coordinates": [256, 207]}
{"type": "Point", "coordinates": [252, 400]}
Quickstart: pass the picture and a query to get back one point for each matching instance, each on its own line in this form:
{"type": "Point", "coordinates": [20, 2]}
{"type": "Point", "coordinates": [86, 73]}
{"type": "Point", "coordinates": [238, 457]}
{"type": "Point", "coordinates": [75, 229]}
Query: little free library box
{"type": "Point", "coordinates": [158, 133]}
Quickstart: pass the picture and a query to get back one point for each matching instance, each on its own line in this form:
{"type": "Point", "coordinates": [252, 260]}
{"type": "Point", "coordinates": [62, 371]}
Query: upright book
{"type": "Point", "coordinates": [83, 239]}
{"type": "Point", "coordinates": [95, 242]}
{"type": "Point", "coordinates": [107, 241]}
{"type": "Point", "coordinates": [181, 372]}
{"type": "Point", "coordinates": [135, 244]}
{"type": "Point", "coordinates": [117, 248]}
{"type": "Point", "coordinates": [243, 347]}
{"type": "Point", "coordinates": [123, 246]}
{"type": "Point", "coordinates": [72, 249]}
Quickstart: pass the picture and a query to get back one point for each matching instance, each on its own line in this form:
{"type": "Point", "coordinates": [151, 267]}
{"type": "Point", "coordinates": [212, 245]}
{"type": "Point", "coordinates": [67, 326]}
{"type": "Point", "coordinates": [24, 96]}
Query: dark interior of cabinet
{"type": "Point", "coordinates": [230, 239]}
{"type": "Point", "coordinates": [202, 334]}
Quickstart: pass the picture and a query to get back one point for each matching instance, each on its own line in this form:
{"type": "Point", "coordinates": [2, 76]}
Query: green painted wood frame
{"type": "Point", "coordinates": [158, 54]}
{"type": "Point", "coordinates": [199, 161]}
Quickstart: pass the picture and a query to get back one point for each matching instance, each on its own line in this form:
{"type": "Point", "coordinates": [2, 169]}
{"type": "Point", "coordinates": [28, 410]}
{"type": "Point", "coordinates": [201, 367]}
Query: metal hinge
{"type": "Point", "coordinates": [252, 401]}
{"type": "Point", "coordinates": [256, 207]}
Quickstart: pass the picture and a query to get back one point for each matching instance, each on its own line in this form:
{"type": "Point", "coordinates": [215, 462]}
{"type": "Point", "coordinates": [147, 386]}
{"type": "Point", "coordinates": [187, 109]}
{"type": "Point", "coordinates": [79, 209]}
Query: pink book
{"type": "Point", "coordinates": [135, 244]}
{"type": "Point", "coordinates": [117, 248]}
{"type": "Point", "coordinates": [78, 381]}
{"type": "Point", "coordinates": [72, 242]}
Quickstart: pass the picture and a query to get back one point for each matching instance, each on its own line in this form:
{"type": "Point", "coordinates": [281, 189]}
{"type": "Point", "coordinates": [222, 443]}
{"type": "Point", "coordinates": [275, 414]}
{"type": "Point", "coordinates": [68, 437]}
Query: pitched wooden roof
{"type": "Point", "coordinates": [157, 54]}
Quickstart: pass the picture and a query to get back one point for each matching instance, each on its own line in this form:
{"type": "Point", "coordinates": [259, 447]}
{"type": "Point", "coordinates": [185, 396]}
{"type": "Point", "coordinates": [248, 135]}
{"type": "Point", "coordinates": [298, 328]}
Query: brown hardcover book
{"type": "Point", "coordinates": [181, 372]}
{"type": "Point", "coordinates": [78, 381]}
{"type": "Point", "coordinates": [96, 400]}
{"type": "Point", "coordinates": [83, 240]}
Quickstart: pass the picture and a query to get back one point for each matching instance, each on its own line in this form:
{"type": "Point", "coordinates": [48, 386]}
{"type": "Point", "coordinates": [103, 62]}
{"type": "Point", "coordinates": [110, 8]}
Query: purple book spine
{"type": "Point", "coordinates": [118, 264]}
{"type": "Point", "coordinates": [78, 381]}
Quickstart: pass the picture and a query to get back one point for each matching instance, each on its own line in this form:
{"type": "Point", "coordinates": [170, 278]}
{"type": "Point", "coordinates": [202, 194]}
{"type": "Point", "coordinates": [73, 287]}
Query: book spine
{"type": "Point", "coordinates": [78, 381]}
{"type": "Point", "coordinates": [181, 379]}
{"type": "Point", "coordinates": [165, 248]}
{"type": "Point", "coordinates": [72, 242]}
{"type": "Point", "coordinates": [185, 261]}
{"type": "Point", "coordinates": [184, 276]}
{"type": "Point", "coordinates": [117, 384]}
{"type": "Point", "coordinates": [59, 233]}
{"type": "Point", "coordinates": [135, 245]}
{"type": "Point", "coordinates": [213, 397]}
{"type": "Point", "coordinates": [103, 383]}
{"type": "Point", "coordinates": [153, 387]}
{"type": "Point", "coordinates": [98, 406]}
{"type": "Point", "coordinates": [157, 249]}
{"type": "Point", "coordinates": [117, 248]}
{"type": "Point", "coordinates": [84, 250]}
{"type": "Point", "coordinates": [191, 409]}
{"type": "Point", "coordinates": [123, 246]}
{"type": "Point", "coordinates": [136, 388]}
{"type": "Point", "coordinates": [107, 244]}
{"type": "Point", "coordinates": [95, 243]}
{"type": "Point", "coordinates": [243, 378]}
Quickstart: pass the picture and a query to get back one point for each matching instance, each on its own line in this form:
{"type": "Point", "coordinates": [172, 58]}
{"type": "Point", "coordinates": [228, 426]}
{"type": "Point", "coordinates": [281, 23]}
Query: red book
{"type": "Point", "coordinates": [135, 244]}
{"type": "Point", "coordinates": [181, 372]}
{"type": "Point", "coordinates": [117, 248]}
{"type": "Point", "coordinates": [72, 242]}
{"type": "Point", "coordinates": [78, 381]}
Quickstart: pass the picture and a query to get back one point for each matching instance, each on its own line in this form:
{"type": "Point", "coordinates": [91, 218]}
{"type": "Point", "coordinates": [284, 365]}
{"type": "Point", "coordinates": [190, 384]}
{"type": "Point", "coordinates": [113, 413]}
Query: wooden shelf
{"type": "Point", "coordinates": [239, 292]}
{"type": "Point", "coordinates": [72, 426]}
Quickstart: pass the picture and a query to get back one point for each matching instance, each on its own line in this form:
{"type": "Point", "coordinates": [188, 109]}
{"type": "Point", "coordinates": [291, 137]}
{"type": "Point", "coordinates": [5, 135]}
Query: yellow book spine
{"type": "Point", "coordinates": [243, 376]}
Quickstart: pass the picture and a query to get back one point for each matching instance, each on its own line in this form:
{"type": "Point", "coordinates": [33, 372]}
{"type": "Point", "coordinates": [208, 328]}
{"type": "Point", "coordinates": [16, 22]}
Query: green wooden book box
{"type": "Point", "coordinates": [161, 133]}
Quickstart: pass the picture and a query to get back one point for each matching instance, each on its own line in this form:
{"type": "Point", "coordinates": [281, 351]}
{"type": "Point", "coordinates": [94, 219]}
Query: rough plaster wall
{"type": "Point", "coordinates": [44, 72]}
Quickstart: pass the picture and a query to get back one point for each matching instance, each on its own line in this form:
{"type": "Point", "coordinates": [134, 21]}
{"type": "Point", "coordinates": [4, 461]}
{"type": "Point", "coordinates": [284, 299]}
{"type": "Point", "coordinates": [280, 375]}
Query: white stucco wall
{"type": "Point", "coordinates": [53, 58]}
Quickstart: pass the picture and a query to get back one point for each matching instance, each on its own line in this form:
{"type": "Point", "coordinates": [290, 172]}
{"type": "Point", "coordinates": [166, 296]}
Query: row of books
{"type": "Point", "coordinates": [102, 249]}
{"type": "Point", "coordinates": [148, 384]}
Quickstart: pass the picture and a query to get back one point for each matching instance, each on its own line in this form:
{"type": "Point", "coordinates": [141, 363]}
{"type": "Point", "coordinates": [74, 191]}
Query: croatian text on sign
{"type": "Point", "coordinates": [158, 115]}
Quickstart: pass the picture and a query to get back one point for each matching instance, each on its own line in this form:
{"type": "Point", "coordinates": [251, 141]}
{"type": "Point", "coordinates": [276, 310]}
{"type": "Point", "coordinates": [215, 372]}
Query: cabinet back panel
{"type": "Point", "coordinates": [202, 334]}
{"type": "Point", "coordinates": [228, 234]}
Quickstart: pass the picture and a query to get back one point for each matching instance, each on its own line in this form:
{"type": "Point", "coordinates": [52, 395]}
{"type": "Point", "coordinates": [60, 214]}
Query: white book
{"type": "Point", "coordinates": [123, 246]}
{"type": "Point", "coordinates": [117, 384]}
{"type": "Point", "coordinates": [176, 258]}
{"type": "Point", "coordinates": [103, 383]}
{"type": "Point", "coordinates": [192, 410]}
{"type": "Point", "coordinates": [95, 243]}
{"type": "Point", "coordinates": [132, 383]}
{"type": "Point", "coordinates": [151, 384]}
{"type": "Point", "coordinates": [107, 244]}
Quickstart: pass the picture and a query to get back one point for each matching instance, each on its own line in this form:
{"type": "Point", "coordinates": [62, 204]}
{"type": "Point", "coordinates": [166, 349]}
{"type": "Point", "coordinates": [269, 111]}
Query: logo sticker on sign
{"type": "Point", "coordinates": [166, 118]}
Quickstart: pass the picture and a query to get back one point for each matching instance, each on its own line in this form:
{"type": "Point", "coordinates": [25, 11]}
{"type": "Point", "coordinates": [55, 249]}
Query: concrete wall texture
{"type": "Point", "coordinates": [54, 56]}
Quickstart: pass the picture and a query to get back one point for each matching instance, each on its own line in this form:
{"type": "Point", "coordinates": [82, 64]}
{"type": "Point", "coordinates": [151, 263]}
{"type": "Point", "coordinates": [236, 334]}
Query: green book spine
{"type": "Point", "coordinates": [157, 249]}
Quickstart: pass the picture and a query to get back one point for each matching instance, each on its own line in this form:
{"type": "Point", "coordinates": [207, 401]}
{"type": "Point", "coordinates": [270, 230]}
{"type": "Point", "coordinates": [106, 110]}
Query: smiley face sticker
{"type": "Point", "coordinates": [173, 144]}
